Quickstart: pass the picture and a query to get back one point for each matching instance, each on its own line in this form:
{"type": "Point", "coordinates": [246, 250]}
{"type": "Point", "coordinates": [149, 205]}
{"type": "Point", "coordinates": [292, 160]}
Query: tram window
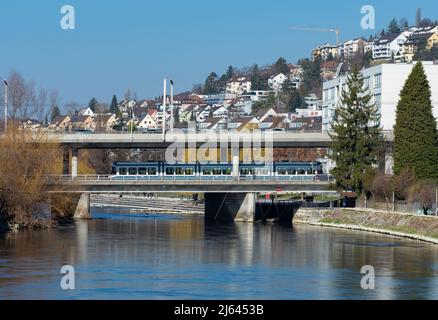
{"type": "Point", "coordinates": [206, 171]}
{"type": "Point", "coordinates": [179, 171]}
{"type": "Point", "coordinates": [113, 170]}
{"type": "Point", "coordinates": [142, 171]}
{"type": "Point", "coordinates": [282, 171]}
{"type": "Point", "coordinates": [291, 172]}
{"type": "Point", "coordinates": [217, 171]}
{"type": "Point", "coordinates": [123, 171]}
{"type": "Point", "coordinates": [170, 171]}
{"type": "Point", "coordinates": [152, 171]}
{"type": "Point", "coordinates": [189, 171]}
{"type": "Point", "coordinates": [226, 172]}
{"type": "Point", "coordinates": [132, 171]}
{"type": "Point", "coordinates": [301, 171]}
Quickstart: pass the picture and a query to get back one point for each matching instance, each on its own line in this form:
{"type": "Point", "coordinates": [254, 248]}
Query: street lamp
{"type": "Point", "coordinates": [171, 107]}
{"type": "Point", "coordinates": [164, 110]}
{"type": "Point", "coordinates": [5, 83]}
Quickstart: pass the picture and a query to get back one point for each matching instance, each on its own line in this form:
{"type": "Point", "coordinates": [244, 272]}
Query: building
{"type": "Point", "coordinates": [276, 82]}
{"type": "Point", "coordinates": [416, 40]}
{"type": "Point", "coordinates": [238, 85]}
{"type": "Point", "coordinates": [103, 122]}
{"type": "Point", "coordinates": [385, 83]}
{"type": "Point", "coordinates": [60, 123]}
{"type": "Point", "coordinates": [148, 122]}
{"type": "Point", "coordinates": [325, 51]}
{"type": "Point", "coordinates": [389, 46]}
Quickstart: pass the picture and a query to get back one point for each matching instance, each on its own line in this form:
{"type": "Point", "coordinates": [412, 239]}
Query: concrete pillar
{"type": "Point", "coordinates": [74, 163]}
{"type": "Point", "coordinates": [230, 206]}
{"type": "Point", "coordinates": [65, 161]}
{"type": "Point", "coordinates": [236, 171]}
{"type": "Point", "coordinates": [83, 208]}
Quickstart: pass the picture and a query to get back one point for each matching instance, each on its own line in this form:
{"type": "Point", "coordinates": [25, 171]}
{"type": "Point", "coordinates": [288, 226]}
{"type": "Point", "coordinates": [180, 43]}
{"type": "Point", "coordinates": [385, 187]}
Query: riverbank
{"type": "Point", "coordinates": [423, 228]}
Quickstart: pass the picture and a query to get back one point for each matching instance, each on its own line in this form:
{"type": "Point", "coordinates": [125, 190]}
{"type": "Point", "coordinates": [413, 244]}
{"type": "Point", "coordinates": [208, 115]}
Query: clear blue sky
{"type": "Point", "coordinates": [133, 44]}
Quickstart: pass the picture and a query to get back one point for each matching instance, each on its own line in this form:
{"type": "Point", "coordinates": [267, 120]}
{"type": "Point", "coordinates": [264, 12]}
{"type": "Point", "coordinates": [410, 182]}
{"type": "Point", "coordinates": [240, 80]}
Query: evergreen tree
{"type": "Point", "coordinates": [54, 113]}
{"type": "Point", "coordinates": [93, 104]}
{"type": "Point", "coordinates": [210, 86]}
{"type": "Point", "coordinates": [393, 27]}
{"type": "Point", "coordinates": [257, 82]}
{"type": "Point", "coordinates": [281, 66]}
{"type": "Point", "coordinates": [114, 105]}
{"type": "Point", "coordinates": [415, 133]}
{"type": "Point", "coordinates": [356, 137]}
{"type": "Point", "coordinates": [230, 73]}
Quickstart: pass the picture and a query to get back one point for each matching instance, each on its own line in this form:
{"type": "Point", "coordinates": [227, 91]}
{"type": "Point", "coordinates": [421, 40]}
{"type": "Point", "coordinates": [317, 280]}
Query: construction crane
{"type": "Point", "coordinates": [336, 31]}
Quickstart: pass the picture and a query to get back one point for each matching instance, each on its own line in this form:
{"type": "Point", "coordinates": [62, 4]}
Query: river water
{"type": "Point", "coordinates": [173, 257]}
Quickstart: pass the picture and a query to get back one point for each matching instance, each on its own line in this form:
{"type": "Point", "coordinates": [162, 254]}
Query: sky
{"type": "Point", "coordinates": [133, 44]}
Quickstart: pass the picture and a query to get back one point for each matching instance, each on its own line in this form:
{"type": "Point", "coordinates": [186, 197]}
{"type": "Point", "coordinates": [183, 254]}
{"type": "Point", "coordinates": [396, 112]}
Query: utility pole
{"type": "Point", "coordinates": [5, 83]}
{"type": "Point", "coordinates": [164, 110]}
{"type": "Point", "coordinates": [171, 107]}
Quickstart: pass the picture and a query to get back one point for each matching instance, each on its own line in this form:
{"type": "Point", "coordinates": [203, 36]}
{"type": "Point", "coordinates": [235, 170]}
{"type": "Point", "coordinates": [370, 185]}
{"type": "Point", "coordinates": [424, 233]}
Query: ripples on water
{"type": "Point", "coordinates": [174, 257]}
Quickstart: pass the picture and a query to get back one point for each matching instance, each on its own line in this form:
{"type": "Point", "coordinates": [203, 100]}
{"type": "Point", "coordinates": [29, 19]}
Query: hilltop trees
{"type": "Point", "coordinates": [93, 104]}
{"type": "Point", "coordinates": [114, 108]}
{"type": "Point", "coordinates": [357, 135]}
{"type": "Point", "coordinates": [415, 133]}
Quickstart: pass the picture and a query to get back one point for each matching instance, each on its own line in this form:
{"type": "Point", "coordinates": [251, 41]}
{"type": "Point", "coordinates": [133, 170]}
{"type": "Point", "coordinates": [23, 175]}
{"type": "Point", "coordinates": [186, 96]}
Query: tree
{"type": "Point", "coordinates": [230, 73]}
{"type": "Point", "coordinates": [356, 140]}
{"type": "Point", "coordinates": [210, 86]}
{"type": "Point", "coordinates": [55, 113]}
{"type": "Point", "coordinates": [418, 17]}
{"type": "Point", "coordinates": [92, 104]}
{"type": "Point", "coordinates": [291, 97]}
{"type": "Point", "coordinates": [312, 81]}
{"type": "Point", "coordinates": [114, 107]}
{"type": "Point", "coordinates": [393, 27]}
{"type": "Point", "coordinates": [280, 66]}
{"type": "Point", "coordinates": [415, 133]}
{"type": "Point", "coordinates": [257, 82]}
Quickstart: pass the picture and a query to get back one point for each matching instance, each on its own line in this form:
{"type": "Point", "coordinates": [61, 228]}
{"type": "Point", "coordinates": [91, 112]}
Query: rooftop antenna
{"type": "Point", "coordinates": [337, 31]}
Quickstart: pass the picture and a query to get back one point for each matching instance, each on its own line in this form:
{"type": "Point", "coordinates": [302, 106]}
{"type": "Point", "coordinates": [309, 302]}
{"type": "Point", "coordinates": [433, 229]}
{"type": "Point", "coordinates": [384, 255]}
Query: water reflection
{"type": "Point", "coordinates": [171, 257]}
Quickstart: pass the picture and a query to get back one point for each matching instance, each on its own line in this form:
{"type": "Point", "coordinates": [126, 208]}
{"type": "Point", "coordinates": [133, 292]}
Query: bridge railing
{"type": "Point", "coordinates": [113, 178]}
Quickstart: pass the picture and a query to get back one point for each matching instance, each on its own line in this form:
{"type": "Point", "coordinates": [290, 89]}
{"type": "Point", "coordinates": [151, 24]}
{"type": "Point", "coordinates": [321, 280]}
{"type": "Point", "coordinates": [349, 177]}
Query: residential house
{"type": "Point", "coordinates": [86, 112]}
{"type": "Point", "coordinates": [304, 124]}
{"type": "Point", "coordinates": [243, 123]}
{"type": "Point", "coordinates": [213, 124]}
{"type": "Point", "coordinates": [79, 122]}
{"type": "Point", "coordinates": [389, 46]}
{"type": "Point", "coordinates": [276, 82]}
{"type": "Point", "coordinates": [262, 114]}
{"type": "Point", "coordinates": [31, 124]}
{"type": "Point", "coordinates": [104, 122]}
{"type": "Point", "coordinates": [60, 123]}
{"type": "Point", "coordinates": [325, 51]}
{"type": "Point", "coordinates": [238, 85]}
{"type": "Point", "coordinates": [416, 40]}
{"type": "Point", "coordinates": [149, 121]}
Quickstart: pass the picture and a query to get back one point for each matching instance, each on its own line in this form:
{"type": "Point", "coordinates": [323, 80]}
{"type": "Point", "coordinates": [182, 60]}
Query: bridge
{"type": "Point", "coordinates": [226, 197]}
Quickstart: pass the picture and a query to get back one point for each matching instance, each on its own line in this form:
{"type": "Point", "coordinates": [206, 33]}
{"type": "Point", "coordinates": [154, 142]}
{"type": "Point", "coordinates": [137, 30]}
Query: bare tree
{"type": "Point", "coordinates": [71, 107]}
{"type": "Point", "coordinates": [17, 94]}
{"type": "Point", "coordinates": [40, 105]}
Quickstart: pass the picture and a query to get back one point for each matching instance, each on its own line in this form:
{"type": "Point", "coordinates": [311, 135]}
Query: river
{"type": "Point", "coordinates": [174, 257]}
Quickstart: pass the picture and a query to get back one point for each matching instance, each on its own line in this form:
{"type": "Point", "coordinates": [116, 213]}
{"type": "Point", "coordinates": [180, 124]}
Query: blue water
{"type": "Point", "coordinates": [173, 257]}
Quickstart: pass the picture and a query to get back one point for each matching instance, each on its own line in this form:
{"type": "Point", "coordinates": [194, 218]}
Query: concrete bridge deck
{"type": "Point", "coordinates": [162, 184]}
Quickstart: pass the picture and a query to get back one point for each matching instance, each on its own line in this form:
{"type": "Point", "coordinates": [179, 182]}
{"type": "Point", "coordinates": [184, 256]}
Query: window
{"type": "Point", "coordinates": [378, 100]}
{"type": "Point", "coordinates": [123, 171]}
{"type": "Point", "coordinates": [142, 171]}
{"type": "Point", "coordinates": [132, 171]}
{"type": "Point", "coordinates": [366, 82]}
{"type": "Point", "coordinates": [377, 80]}
{"type": "Point", "coordinates": [152, 171]}
{"type": "Point", "coordinates": [170, 171]}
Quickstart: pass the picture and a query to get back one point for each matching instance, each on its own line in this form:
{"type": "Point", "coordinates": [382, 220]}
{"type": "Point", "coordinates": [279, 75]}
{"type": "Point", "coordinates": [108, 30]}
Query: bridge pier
{"type": "Point", "coordinates": [74, 163]}
{"type": "Point", "coordinates": [230, 206]}
{"type": "Point", "coordinates": [83, 208]}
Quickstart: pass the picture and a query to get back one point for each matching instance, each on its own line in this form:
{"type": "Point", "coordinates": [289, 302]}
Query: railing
{"type": "Point", "coordinates": [114, 178]}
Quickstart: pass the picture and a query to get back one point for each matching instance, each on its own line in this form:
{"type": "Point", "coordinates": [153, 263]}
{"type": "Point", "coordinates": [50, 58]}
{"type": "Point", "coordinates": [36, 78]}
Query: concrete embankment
{"type": "Point", "coordinates": [424, 228]}
{"type": "Point", "coordinates": [149, 205]}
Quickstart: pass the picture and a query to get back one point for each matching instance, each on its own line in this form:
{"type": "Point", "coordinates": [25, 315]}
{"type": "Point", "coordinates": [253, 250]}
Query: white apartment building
{"type": "Point", "coordinates": [385, 82]}
{"type": "Point", "coordinates": [389, 46]}
{"type": "Point", "coordinates": [276, 82]}
{"type": "Point", "coordinates": [238, 86]}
